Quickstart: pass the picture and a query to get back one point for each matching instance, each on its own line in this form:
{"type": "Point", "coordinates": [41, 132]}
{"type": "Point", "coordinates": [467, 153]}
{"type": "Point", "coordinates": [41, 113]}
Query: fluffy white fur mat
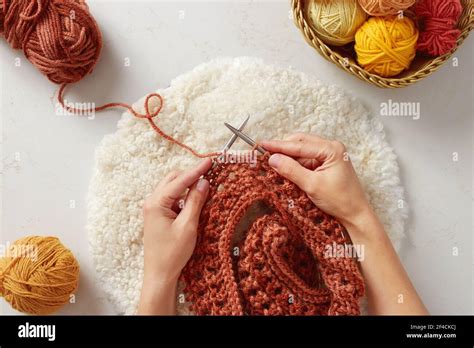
{"type": "Point", "coordinates": [130, 162]}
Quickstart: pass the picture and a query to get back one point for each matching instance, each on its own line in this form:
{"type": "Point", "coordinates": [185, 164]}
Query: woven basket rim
{"type": "Point", "coordinates": [465, 24]}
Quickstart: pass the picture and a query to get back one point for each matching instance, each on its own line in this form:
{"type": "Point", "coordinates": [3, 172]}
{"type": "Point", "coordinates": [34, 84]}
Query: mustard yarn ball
{"type": "Point", "coordinates": [386, 45]}
{"type": "Point", "coordinates": [38, 275]}
{"type": "Point", "coordinates": [335, 21]}
{"type": "Point", "coordinates": [385, 7]}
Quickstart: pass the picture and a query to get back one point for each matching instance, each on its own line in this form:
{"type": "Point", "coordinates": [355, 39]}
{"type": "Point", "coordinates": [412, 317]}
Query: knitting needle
{"type": "Point", "coordinates": [245, 138]}
{"type": "Point", "coordinates": [234, 136]}
{"type": "Point", "coordinates": [229, 143]}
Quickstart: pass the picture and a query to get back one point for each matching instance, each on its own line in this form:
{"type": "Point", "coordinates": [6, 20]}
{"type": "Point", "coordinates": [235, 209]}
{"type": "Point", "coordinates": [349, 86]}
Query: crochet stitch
{"type": "Point", "coordinates": [278, 265]}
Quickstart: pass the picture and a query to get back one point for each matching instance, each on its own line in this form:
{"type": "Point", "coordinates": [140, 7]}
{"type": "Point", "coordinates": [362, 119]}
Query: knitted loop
{"type": "Point", "coordinates": [276, 263]}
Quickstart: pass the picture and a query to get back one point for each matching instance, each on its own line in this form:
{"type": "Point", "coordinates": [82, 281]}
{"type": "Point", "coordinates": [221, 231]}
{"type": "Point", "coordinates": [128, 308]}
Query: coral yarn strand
{"type": "Point", "coordinates": [148, 115]}
{"type": "Point", "coordinates": [63, 41]}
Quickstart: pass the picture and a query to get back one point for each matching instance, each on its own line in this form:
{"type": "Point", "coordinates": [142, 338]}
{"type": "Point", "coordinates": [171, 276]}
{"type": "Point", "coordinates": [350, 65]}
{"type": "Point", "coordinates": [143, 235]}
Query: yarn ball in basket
{"type": "Point", "coordinates": [38, 275]}
{"type": "Point", "coordinates": [438, 19]}
{"type": "Point", "coordinates": [386, 45]}
{"type": "Point", "coordinates": [59, 37]}
{"type": "Point", "coordinates": [385, 7]}
{"type": "Point", "coordinates": [335, 21]}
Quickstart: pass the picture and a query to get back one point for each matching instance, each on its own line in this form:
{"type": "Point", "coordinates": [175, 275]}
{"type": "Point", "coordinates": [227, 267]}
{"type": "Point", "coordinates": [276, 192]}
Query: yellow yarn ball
{"type": "Point", "coordinates": [336, 21]}
{"type": "Point", "coordinates": [38, 275]}
{"type": "Point", "coordinates": [386, 45]}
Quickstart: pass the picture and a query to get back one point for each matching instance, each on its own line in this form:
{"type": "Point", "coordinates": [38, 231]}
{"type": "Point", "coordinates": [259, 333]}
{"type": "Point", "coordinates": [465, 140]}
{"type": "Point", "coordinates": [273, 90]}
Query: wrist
{"type": "Point", "coordinates": [158, 280]}
{"type": "Point", "coordinates": [364, 227]}
{"type": "Point", "coordinates": [158, 296]}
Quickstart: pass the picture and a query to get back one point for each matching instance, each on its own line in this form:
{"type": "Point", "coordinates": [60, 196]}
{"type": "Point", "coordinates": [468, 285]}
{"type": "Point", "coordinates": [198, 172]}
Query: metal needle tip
{"type": "Point", "coordinates": [244, 137]}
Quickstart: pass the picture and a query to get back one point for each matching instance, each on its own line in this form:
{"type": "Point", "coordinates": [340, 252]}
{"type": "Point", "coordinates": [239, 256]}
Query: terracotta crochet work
{"type": "Point", "coordinates": [274, 266]}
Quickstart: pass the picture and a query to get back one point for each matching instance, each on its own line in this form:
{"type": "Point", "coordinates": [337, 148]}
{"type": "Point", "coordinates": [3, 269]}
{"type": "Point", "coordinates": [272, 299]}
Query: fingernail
{"type": "Point", "coordinates": [274, 160]}
{"type": "Point", "coordinates": [202, 185]}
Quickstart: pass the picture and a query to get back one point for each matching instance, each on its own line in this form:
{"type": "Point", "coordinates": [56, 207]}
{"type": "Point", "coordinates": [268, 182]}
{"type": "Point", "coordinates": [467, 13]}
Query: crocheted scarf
{"type": "Point", "coordinates": [276, 264]}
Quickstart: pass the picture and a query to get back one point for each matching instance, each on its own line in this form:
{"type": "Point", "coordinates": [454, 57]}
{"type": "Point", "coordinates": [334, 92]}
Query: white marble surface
{"type": "Point", "coordinates": [47, 159]}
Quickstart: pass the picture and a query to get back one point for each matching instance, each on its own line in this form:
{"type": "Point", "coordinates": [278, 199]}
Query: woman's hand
{"type": "Point", "coordinates": [171, 217]}
{"type": "Point", "coordinates": [322, 169]}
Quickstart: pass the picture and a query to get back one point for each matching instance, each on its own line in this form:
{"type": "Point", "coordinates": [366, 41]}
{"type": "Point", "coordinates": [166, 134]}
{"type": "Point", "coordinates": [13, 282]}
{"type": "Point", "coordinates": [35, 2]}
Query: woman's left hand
{"type": "Point", "coordinates": [171, 219]}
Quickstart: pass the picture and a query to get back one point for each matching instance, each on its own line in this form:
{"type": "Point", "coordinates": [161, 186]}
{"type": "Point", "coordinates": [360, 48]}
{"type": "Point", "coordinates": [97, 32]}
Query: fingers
{"type": "Point", "coordinates": [305, 137]}
{"type": "Point", "coordinates": [302, 145]}
{"type": "Point", "coordinates": [197, 195]}
{"type": "Point", "coordinates": [175, 188]}
{"type": "Point", "coordinates": [292, 170]}
{"type": "Point", "coordinates": [174, 184]}
{"type": "Point", "coordinates": [166, 180]}
{"type": "Point", "coordinates": [170, 177]}
{"type": "Point", "coordinates": [178, 204]}
{"type": "Point", "coordinates": [310, 163]}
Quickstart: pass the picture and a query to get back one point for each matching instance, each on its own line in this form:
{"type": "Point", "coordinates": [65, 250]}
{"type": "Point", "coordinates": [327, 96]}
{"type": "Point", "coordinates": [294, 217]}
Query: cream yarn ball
{"type": "Point", "coordinates": [336, 21]}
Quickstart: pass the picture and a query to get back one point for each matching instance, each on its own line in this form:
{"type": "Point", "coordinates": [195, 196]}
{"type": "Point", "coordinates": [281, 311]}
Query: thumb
{"type": "Point", "coordinates": [194, 201]}
{"type": "Point", "coordinates": [292, 170]}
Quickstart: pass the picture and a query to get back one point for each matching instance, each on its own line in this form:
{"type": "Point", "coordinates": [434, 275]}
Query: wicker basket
{"type": "Point", "coordinates": [344, 56]}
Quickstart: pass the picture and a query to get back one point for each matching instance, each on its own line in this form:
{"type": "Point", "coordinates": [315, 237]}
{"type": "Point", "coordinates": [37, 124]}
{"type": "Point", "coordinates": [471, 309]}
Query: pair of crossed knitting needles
{"type": "Point", "coordinates": [237, 133]}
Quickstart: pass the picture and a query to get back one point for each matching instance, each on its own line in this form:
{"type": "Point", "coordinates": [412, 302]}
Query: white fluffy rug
{"type": "Point", "coordinates": [130, 162]}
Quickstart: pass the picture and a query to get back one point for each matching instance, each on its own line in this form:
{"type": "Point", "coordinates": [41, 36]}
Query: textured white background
{"type": "Point", "coordinates": [47, 159]}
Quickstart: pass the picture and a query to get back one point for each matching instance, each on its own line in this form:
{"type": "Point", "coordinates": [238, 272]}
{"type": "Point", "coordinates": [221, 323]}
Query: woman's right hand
{"type": "Point", "coordinates": [323, 169]}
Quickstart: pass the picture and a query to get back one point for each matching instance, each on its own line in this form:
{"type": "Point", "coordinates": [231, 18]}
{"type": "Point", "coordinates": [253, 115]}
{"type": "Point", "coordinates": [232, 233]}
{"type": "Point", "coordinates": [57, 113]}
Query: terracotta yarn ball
{"type": "Point", "coordinates": [59, 37]}
{"type": "Point", "coordinates": [385, 7]}
{"type": "Point", "coordinates": [438, 19]}
{"type": "Point", "coordinates": [386, 45]}
{"type": "Point", "coordinates": [38, 275]}
{"type": "Point", "coordinates": [335, 21]}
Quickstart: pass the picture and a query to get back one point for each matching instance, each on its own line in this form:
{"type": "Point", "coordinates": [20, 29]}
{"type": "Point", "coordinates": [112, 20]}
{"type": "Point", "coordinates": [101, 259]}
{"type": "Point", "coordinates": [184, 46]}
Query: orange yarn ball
{"type": "Point", "coordinates": [385, 7]}
{"type": "Point", "coordinates": [38, 275]}
{"type": "Point", "coordinates": [59, 37]}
